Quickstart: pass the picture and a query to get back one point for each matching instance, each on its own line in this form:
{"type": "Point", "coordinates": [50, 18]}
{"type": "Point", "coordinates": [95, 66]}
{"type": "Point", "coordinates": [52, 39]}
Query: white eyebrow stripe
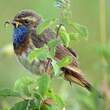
{"type": "Point", "coordinates": [29, 18]}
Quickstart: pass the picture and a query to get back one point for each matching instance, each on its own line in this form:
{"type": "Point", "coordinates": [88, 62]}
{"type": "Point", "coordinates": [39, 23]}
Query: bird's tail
{"type": "Point", "coordinates": [73, 74]}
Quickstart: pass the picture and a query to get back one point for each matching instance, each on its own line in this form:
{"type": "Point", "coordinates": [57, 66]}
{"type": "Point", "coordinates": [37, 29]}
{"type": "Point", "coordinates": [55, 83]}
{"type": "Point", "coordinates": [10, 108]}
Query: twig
{"type": "Point", "coordinates": [59, 27]}
{"type": "Point", "coordinates": [6, 22]}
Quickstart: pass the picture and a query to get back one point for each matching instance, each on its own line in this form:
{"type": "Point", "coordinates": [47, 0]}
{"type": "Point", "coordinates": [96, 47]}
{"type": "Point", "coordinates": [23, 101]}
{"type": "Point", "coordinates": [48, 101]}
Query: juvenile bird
{"type": "Point", "coordinates": [26, 39]}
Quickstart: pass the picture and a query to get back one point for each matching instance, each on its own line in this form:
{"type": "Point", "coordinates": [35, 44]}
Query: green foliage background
{"type": "Point", "coordinates": [84, 12]}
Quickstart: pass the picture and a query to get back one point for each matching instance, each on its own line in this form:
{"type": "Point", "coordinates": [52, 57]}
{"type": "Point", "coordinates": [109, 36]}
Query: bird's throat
{"type": "Point", "coordinates": [20, 34]}
{"type": "Point", "coordinates": [20, 38]}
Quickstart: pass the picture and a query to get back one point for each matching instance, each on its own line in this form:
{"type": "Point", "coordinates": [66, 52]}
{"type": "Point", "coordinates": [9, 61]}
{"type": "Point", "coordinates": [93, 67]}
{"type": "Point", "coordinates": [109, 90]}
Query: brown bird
{"type": "Point", "coordinates": [26, 39]}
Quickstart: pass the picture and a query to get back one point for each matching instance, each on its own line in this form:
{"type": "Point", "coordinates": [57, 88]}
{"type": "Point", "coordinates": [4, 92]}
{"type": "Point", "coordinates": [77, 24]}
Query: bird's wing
{"type": "Point", "coordinates": [43, 38]}
{"type": "Point", "coordinates": [72, 72]}
{"type": "Point", "coordinates": [61, 51]}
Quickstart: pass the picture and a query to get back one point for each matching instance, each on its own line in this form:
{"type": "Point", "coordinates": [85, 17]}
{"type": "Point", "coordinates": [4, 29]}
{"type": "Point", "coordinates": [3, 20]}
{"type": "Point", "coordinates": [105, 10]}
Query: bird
{"type": "Point", "coordinates": [26, 39]}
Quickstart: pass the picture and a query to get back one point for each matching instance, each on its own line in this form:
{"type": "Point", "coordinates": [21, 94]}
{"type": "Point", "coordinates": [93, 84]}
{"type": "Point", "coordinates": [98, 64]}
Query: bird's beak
{"type": "Point", "coordinates": [14, 23]}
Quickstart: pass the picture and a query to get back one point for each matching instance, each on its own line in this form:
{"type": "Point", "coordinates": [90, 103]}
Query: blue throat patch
{"type": "Point", "coordinates": [19, 35]}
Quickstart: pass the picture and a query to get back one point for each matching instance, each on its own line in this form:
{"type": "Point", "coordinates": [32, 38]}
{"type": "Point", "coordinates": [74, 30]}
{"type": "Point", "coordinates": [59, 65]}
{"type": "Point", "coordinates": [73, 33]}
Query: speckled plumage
{"type": "Point", "coordinates": [25, 39]}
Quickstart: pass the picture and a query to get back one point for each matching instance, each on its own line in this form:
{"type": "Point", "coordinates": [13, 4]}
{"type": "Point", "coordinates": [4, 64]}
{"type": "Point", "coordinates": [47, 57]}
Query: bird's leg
{"type": "Point", "coordinates": [48, 67]}
{"type": "Point", "coordinates": [70, 83]}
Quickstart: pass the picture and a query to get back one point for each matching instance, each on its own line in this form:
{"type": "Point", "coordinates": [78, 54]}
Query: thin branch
{"type": "Point", "coordinates": [58, 30]}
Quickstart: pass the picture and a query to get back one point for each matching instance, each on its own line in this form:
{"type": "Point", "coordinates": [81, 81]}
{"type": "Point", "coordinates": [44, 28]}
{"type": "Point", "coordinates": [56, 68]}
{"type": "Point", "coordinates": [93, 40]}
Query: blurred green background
{"type": "Point", "coordinates": [87, 12]}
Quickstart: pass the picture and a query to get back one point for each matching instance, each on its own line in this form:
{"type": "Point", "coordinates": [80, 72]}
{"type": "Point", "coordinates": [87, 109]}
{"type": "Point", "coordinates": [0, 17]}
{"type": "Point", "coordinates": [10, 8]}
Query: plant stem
{"type": "Point", "coordinates": [103, 39]}
{"type": "Point", "coordinates": [102, 21]}
{"type": "Point", "coordinates": [103, 35]}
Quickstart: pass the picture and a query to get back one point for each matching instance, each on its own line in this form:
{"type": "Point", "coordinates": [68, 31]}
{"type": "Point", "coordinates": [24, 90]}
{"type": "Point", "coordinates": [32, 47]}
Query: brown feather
{"type": "Point", "coordinates": [72, 72]}
{"type": "Point", "coordinates": [62, 51]}
{"type": "Point", "coordinates": [23, 47]}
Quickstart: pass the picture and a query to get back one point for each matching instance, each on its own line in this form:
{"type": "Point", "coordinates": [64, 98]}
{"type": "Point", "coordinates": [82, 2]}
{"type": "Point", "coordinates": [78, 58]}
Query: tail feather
{"type": "Point", "coordinates": [75, 75]}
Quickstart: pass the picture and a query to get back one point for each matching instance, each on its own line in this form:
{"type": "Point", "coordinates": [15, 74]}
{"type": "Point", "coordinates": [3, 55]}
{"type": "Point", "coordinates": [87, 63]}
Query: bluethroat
{"type": "Point", "coordinates": [26, 39]}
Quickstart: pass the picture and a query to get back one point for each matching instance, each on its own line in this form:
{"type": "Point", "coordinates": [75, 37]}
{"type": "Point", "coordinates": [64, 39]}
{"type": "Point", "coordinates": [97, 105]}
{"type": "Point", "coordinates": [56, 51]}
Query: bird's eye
{"type": "Point", "coordinates": [26, 21]}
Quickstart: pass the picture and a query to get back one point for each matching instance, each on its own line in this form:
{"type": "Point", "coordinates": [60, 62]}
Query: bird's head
{"type": "Point", "coordinates": [24, 22]}
{"type": "Point", "coordinates": [26, 18]}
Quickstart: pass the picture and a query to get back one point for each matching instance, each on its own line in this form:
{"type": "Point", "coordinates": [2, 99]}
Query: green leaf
{"type": "Point", "coordinates": [56, 68]}
{"type": "Point", "coordinates": [65, 61]}
{"type": "Point", "coordinates": [74, 36]}
{"type": "Point", "coordinates": [9, 92]}
{"type": "Point", "coordinates": [58, 101]}
{"type": "Point", "coordinates": [46, 107]}
{"type": "Point", "coordinates": [43, 26]}
{"type": "Point", "coordinates": [43, 84]}
{"type": "Point", "coordinates": [64, 36]}
{"type": "Point", "coordinates": [20, 106]}
{"type": "Point", "coordinates": [82, 30]}
{"type": "Point", "coordinates": [39, 53]}
{"type": "Point", "coordinates": [22, 85]}
{"type": "Point", "coordinates": [52, 44]}
{"type": "Point", "coordinates": [35, 104]}
{"type": "Point", "coordinates": [38, 95]}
